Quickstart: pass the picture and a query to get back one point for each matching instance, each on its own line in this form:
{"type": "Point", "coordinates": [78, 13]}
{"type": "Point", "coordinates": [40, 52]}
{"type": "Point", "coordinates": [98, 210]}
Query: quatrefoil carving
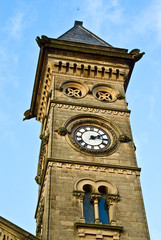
{"type": "Point", "coordinates": [73, 92]}
{"type": "Point", "coordinates": [74, 89]}
{"type": "Point", "coordinates": [104, 96]}
{"type": "Point", "coordinates": [105, 93]}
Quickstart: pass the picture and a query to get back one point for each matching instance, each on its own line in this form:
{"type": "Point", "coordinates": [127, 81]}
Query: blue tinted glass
{"type": "Point", "coordinates": [103, 211]}
{"type": "Point", "coordinates": [88, 209]}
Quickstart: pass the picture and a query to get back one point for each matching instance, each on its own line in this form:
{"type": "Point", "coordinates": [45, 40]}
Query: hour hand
{"type": "Point", "coordinates": [95, 137]}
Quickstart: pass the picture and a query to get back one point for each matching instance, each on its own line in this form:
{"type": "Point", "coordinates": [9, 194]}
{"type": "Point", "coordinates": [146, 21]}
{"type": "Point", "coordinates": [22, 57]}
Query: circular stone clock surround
{"type": "Point", "coordinates": [92, 135]}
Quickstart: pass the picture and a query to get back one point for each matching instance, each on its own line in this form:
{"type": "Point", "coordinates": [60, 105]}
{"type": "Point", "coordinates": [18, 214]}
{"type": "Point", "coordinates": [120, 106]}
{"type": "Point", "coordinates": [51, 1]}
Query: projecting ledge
{"type": "Point", "coordinates": [98, 231]}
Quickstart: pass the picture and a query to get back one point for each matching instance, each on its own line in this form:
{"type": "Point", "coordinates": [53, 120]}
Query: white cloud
{"type": "Point", "coordinates": [21, 18]}
{"type": "Point", "coordinates": [158, 19]}
{"type": "Point", "coordinates": [15, 25]}
{"type": "Point", "coordinates": [8, 63]}
{"type": "Point", "coordinates": [99, 12]}
{"type": "Point", "coordinates": [146, 21]}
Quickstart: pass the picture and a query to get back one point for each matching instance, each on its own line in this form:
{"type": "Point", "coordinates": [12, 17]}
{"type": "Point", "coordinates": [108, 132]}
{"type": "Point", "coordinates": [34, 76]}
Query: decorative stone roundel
{"type": "Point", "coordinates": [74, 89]}
{"type": "Point", "coordinates": [105, 93]}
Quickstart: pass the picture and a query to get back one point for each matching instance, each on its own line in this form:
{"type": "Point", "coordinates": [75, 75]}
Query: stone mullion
{"type": "Point", "coordinates": [96, 198]}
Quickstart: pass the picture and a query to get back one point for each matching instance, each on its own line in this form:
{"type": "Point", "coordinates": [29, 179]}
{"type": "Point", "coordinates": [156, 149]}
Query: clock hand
{"type": "Point", "coordinates": [92, 137]}
{"type": "Point", "coordinates": [95, 137]}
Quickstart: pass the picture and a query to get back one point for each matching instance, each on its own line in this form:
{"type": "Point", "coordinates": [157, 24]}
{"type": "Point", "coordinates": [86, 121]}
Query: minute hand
{"type": "Point", "coordinates": [95, 137]}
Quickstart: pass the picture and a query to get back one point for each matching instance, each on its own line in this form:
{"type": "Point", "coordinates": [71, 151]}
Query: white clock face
{"type": "Point", "coordinates": [92, 138]}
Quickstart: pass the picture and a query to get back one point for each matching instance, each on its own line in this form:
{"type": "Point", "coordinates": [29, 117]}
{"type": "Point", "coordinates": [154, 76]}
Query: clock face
{"type": "Point", "coordinates": [93, 138]}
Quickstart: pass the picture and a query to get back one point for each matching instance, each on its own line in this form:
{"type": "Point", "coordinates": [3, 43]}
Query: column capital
{"type": "Point", "coordinates": [112, 198]}
{"type": "Point", "coordinates": [95, 196]}
{"type": "Point", "coordinates": [79, 194]}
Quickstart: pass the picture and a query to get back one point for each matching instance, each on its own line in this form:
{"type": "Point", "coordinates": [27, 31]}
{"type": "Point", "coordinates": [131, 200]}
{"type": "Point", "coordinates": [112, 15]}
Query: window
{"type": "Point", "coordinates": [88, 207]}
{"type": "Point", "coordinates": [97, 201]}
{"type": "Point", "coordinates": [103, 206]}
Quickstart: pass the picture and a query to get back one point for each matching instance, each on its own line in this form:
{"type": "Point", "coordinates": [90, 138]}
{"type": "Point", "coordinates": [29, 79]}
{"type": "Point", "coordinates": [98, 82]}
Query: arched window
{"type": "Point", "coordinates": [103, 206]}
{"type": "Point", "coordinates": [88, 208]}
{"type": "Point", "coordinates": [98, 201]}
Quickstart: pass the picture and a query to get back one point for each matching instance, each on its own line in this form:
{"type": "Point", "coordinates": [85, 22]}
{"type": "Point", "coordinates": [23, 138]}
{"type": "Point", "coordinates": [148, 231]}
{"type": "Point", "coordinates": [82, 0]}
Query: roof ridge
{"type": "Point", "coordinates": [78, 33]}
{"type": "Point", "coordinates": [95, 36]}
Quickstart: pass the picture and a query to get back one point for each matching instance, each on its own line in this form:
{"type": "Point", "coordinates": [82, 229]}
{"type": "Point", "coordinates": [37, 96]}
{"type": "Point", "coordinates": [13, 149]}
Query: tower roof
{"type": "Point", "coordinates": [80, 34]}
{"type": "Point", "coordinates": [77, 42]}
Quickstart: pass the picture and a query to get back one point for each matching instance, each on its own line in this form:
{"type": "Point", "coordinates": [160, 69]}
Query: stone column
{"type": "Point", "coordinates": [111, 201]}
{"type": "Point", "coordinates": [80, 195]}
{"type": "Point", "coordinates": [96, 198]}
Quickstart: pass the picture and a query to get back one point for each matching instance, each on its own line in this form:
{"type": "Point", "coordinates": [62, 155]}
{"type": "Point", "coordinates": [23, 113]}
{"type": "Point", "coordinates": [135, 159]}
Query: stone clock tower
{"type": "Point", "coordinates": [88, 177]}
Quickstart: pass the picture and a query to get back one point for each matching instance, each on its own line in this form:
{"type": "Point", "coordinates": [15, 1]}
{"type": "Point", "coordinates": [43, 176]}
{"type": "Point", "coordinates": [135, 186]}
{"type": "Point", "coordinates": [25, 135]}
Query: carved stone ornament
{"type": "Point", "coordinates": [120, 96]}
{"type": "Point", "coordinates": [62, 131]}
{"type": "Point", "coordinates": [43, 41]}
{"type": "Point", "coordinates": [95, 196]}
{"type": "Point", "coordinates": [27, 115]}
{"type": "Point", "coordinates": [136, 54]}
{"type": "Point", "coordinates": [74, 89]}
{"type": "Point", "coordinates": [112, 198]}
{"type": "Point", "coordinates": [44, 137]}
{"type": "Point", "coordinates": [37, 179]}
{"type": "Point", "coordinates": [124, 138]}
{"type": "Point", "coordinates": [92, 136]}
{"type": "Point", "coordinates": [105, 93]}
{"type": "Point", "coordinates": [42, 157]}
{"type": "Point", "coordinates": [40, 220]}
{"type": "Point", "coordinates": [79, 194]}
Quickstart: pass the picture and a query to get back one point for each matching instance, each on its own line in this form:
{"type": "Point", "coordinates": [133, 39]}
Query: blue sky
{"type": "Point", "coordinates": [122, 23]}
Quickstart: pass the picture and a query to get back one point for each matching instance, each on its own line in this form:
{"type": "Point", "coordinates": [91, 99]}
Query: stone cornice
{"type": "Point", "coordinates": [51, 43]}
{"type": "Point", "coordinates": [91, 108]}
{"type": "Point", "coordinates": [14, 230]}
{"type": "Point", "coordinates": [96, 166]}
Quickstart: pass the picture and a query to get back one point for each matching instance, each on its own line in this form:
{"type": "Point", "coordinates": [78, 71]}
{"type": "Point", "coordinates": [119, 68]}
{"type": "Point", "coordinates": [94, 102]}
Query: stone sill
{"type": "Point", "coordinates": [98, 226]}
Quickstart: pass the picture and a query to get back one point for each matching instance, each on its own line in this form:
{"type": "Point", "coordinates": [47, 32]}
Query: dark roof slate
{"type": "Point", "coordinates": [80, 34]}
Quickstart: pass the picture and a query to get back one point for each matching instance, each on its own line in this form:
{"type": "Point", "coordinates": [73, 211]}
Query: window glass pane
{"type": "Point", "coordinates": [88, 208]}
{"type": "Point", "coordinates": [103, 210]}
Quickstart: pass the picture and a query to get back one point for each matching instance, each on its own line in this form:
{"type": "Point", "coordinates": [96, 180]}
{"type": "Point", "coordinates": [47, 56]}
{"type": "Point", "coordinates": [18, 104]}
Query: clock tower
{"type": "Point", "coordinates": [89, 186]}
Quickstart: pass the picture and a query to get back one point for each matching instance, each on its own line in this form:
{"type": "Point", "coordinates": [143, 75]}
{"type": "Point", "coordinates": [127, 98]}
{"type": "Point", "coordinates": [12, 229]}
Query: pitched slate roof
{"type": "Point", "coordinates": [80, 34]}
